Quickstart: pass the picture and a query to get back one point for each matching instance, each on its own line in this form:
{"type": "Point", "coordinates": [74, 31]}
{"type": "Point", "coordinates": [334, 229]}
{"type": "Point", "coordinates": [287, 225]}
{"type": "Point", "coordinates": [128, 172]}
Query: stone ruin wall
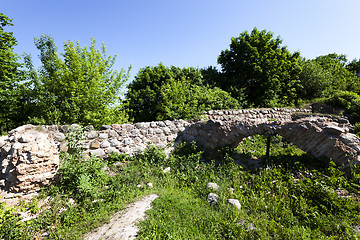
{"type": "Point", "coordinates": [29, 159]}
{"type": "Point", "coordinates": [135, 137]}
{"type": "Point", "coordinates": [323, 136]}
{"type": "Point", "coordinates": [29, 155]}
{"type": "Point", "coordinates": [320, 135]}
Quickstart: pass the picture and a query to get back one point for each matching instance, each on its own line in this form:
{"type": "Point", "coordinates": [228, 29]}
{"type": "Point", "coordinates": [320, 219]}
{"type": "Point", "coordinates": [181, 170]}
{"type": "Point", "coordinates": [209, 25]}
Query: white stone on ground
{"type": "Point", "coordinates": [212, 198]}
{"type": "Point", "coordinates": [213, 186]}
{"type": "Point", "coordinates": [166, 170]}
{"type": "Point", "coordinates": [234, 202]}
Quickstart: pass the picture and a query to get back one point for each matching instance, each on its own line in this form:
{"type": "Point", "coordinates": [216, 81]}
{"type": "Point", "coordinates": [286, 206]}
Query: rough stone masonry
{"type": "Point", "coordinates": [29, 155]}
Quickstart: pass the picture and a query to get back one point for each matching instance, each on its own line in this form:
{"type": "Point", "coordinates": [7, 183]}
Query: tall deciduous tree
{"type": "Point", "coordinates": [258, 66]}
{"type": "Point", "coordinates": [185, 100]}
{"type": "Point", "coordinates": [325, 75]}
{"type": "Point", "coordinates": [160, 93]}
{"type": "Point", "coordinates": [341, 77]}
{"type": "Point", "coordinates": [354, 67]}
{"type": "Point", "coordinates": [144, 94]}
{"type": "Point", "coordinates": [10, 76]}
{"type": "Point", "coordinates": [79, 87]}
{"type": "Point", "coordinates": [315, 80]}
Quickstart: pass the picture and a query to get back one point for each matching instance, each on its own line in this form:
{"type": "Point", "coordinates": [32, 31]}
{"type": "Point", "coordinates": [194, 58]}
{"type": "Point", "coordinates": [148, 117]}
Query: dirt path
{"type": "Point", "coordinates": [123, 224]}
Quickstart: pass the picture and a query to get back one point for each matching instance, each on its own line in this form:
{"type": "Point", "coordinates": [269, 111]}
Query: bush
{"type": "Point", "coordinates": [152, 155]}
{"type": "Point", "coordinates": [349, 101]}
{"type": "Point", "coordinates": [10, 227]}
{"type": "Point", "coordinates": [82, 178]}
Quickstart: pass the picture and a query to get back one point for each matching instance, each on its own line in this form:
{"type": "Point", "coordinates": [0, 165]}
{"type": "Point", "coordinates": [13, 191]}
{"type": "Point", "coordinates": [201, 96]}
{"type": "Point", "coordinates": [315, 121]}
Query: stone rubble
{"type": "Point", "coordinates": [212, 186]}
{"type": "Point", "coordinates": [29, 159]}
{"type": "Point", "coordinates": [212, 198]}
{"type": "Point", "coordinates": [166, 170]}
{"type": "Point", "coordinates": [234, 202]}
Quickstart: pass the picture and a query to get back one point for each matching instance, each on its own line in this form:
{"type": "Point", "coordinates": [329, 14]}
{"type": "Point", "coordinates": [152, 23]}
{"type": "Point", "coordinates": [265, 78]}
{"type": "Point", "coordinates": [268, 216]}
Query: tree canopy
{"type": "Point", "coordinates": [80, 87]}
{"type": "Point", "coordinates": [160, 93]}
{"type": "Point", "coordinates": [354, 67]}
{"type": "Point", "coordinates": [259, 67]}
{"type": "Point", "coordinates": [10, 76]}
{"type": "Point", "coordinates": [326, 75]}
{"type": "Point", "coordinates": [315, 80]}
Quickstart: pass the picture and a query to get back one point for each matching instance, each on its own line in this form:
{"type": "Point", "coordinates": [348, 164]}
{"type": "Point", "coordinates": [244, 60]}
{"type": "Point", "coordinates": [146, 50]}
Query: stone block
{"type": "Point", "coordinates": [97, 152]}
{"type": "Point", "coordinates": [154, 139]}
{"type": "Point", "coordinates": [103, 135]}
{"type": "Point", "coordinates": [92, 135]}
{"type": "Point", "coordinates": [212, 186]}
{"type": "Point", "coordinates": [128, 141]}
{"type": "Point", "coordinates": [105, 127]}
{"type": "Point", "coordinates": [116, 126]}
{"type": "Point", "coordinates": [166, 130]}
{"type": "Point", "coordinates": [114, 143]}
{"type": "Point", "coordinates": [58, 136]}
{"type": "Point", "coordinates": [26, 138]}
{"type": "Point", "coordinates": [141, 125]}
{"type": "Point", "coordinates": [135, 132]}
{"type": "Point", "coordinates": [111, 150]}
{"type": "Point", "coordinates": [105, 144]}
{"type": "Point", "coordinates": [3, 140]}
{"type": "Point", "coordinates": [168, 123]}
{"type": "Point", "coordinates": [95, 144]}
{"type": "Point", "coordinates": [166, 170]}
{"type": "Point", "coordinates": [161, 124]}
{"type": "Point", "coordinates": [113, 134]}
{"type": "Point", "coordinates": [334, 130]}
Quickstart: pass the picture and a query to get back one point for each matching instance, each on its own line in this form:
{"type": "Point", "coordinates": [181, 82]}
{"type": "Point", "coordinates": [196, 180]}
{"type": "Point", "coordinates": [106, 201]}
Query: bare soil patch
{"type": "Point", "coordinates": [123, 225]}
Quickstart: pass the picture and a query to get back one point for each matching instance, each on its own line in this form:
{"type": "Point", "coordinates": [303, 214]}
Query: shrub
{"type": "Point", "coordinates": [82, 178]}
{"type": "Point", "coordinates": [10, 227]}
{"type": "Point", "coordinates": [349, 101]}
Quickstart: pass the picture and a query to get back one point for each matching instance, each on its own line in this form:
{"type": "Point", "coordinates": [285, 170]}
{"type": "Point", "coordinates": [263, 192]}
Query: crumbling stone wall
{"type": "Point", "coordinates": [131, 138]}
{"type": "Point", "coordinates": [324, 137]}
{"type": "Point", "coordinates": [29, 159]}
{"type": "Point", "coordinates": [29, 155]}
{"type": "Point", "coordinates": [321, 136]}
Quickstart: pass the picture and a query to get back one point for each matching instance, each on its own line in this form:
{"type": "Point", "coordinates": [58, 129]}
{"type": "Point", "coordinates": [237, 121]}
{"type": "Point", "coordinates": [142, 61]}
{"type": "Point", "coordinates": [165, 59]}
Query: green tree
{"type": "Point", "coordinates": [315, 80]}
{"type": "Point", "coordinates": [79, 87]}
{"type": "Point", "coordinates": [160, 93]}
{"type": "Point", "coordinates": [341, 77]}
{"type": "Point", "coordinates": [349, 101]}
{"type": "Point", "coordinates": [213, 77]}
{"type": "Point", "coordinates": [184, 100]}
{"type": "Point", "coordinates": [354, 67]}
{"type": "Point", "coordinates": [259, 67]}
{"type": "Point", "coordinates": [143, 93]}
{"type": "Point", "coordinates": [10, 77]}
{"type": "Point", "coordinates": [325, 75]}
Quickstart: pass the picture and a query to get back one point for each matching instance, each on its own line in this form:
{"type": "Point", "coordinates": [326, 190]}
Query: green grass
{"type": "Point", "coordinates": [291, 196]}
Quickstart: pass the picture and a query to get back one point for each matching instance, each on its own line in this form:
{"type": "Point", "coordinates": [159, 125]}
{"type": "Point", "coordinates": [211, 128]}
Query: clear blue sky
{"type": "Point", "coordinates": [186, 33]}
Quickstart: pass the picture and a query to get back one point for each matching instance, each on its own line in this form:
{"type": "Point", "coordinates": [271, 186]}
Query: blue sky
{"type": "Point", "coordinates": [185, 33]}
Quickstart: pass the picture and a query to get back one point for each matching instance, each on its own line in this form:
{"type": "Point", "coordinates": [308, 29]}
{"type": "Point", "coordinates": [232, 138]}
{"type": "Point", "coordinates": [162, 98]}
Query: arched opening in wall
{"type": "Point", "coordinates": [259, 150]}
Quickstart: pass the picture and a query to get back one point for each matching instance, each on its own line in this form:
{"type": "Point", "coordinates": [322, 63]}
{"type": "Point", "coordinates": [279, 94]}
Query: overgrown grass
{"type": "Point", "coordinates": [291, 196]}
{"type": "Point", "coordinates": [287, 199]}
